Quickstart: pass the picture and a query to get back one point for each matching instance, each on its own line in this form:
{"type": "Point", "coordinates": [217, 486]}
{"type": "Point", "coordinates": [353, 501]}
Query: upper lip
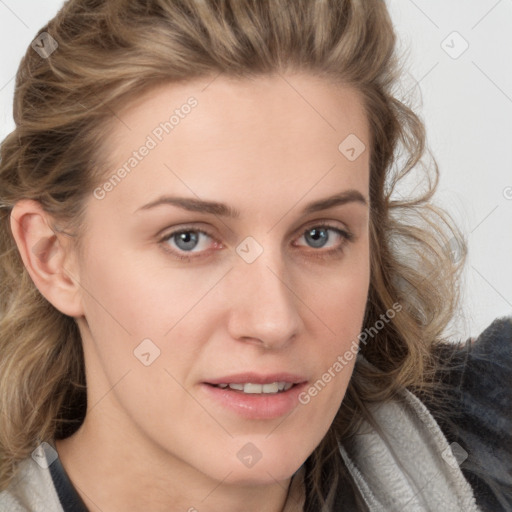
{"type": "Point", "coordinates": [258, 378]}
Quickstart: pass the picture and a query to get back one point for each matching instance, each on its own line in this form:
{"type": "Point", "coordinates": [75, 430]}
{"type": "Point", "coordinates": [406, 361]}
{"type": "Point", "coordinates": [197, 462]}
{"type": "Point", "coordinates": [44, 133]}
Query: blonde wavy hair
{"type": "Point", "coordinates": [109, 52]}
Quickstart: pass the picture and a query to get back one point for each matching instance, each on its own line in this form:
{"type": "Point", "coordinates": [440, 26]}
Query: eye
{"type": "Point", "coordinates": [185, 240]}
{"type": "Point", "coordinates": [319, 236]}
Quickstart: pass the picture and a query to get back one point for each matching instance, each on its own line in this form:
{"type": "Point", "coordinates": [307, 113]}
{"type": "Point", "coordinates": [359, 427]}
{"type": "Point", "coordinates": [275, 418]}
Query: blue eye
{"type": "Point", "coordinates": [318, 236]}
{"type": "Point", "coordinates": [183, 242]}
{"type": "Point", "coordinates": [189, 241]}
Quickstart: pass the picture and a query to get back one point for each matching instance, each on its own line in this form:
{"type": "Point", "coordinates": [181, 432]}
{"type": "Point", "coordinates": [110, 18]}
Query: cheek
{"type": "Point", "coordinates": [144, 319]}
{"type": "Point", "coordinates": [127, 293]}
{"type": "Point", "coordinates": [339, 298]}
{"type": "Point", "coordinates": [339, 305]}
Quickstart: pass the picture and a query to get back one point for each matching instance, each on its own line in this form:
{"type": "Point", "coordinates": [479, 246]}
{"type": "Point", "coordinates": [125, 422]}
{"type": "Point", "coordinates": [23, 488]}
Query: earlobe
{"type": "Point", "coordinates": [45, 254]}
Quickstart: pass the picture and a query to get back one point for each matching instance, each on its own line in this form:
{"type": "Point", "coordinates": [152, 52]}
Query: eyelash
{"type": "Point", "coordinates": [345, 235]}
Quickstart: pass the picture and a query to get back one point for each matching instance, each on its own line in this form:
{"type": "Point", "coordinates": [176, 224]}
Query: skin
{"type": "Point", "coordinates": [152, 439]}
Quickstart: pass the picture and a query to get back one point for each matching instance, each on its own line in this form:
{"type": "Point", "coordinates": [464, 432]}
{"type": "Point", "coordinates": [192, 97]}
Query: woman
{"type": "Point", "coordinates": [212, 299]}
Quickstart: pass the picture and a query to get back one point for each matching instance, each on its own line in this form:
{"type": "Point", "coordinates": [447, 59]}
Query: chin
{"type": "Point", "coordinates": [265, 465]}
{"type": "Point", "coordinates": [247, 466]}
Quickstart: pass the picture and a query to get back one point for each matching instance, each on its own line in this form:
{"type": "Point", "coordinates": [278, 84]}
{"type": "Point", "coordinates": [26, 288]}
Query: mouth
{"type": "Point", "coordinates": [256, 396]}
{"type": "Point", "coordinates": [252, 388]}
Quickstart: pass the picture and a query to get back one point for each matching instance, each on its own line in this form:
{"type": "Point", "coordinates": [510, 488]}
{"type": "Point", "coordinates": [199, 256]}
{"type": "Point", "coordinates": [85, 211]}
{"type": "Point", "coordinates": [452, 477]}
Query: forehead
{"type": "Point", "coordinates": [218, 131]}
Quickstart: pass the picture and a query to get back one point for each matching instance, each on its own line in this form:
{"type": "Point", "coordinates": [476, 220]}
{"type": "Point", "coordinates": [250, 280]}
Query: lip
{"type": "Point", "coordinates": [255, 406]}
{"type": "Point", "coordinates": [257, 378]}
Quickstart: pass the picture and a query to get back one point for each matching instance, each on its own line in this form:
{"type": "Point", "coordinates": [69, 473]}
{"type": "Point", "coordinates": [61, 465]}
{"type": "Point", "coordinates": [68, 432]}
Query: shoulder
{"type": "Point", "coordinates": [473, 406]}
{"type": "Point", "coordinates": [31, 489]}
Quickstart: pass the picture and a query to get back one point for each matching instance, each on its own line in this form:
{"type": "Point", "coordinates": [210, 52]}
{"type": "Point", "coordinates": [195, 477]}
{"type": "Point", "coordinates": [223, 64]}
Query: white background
{"type": "Point", "coordinates": [466, 103]}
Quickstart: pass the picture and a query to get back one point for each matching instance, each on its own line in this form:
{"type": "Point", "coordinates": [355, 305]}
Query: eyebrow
{"type": "Point", "coordinates": [223, 210]}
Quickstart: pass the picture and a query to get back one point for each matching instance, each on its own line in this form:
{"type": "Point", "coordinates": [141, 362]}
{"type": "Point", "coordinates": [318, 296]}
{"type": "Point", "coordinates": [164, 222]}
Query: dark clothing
{"type": "Point", "coordinates": [476, 411]}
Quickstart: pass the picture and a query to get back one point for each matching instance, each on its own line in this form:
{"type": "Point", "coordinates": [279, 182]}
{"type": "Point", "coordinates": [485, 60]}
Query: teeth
{"type": "Point", "coordinates": [253, 388]}
{"type": "Point", "coordinates": [270, 388]}
{"type": "Point", "coordinates": [250, 388]}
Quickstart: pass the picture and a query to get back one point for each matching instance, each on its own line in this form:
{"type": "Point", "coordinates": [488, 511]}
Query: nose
{"type": "Point", "coordinates": [264, 304]}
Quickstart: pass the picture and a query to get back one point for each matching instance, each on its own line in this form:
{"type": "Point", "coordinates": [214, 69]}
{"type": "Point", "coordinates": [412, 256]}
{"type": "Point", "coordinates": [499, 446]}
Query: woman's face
{"type": "Point", "coordinates": [265, 286]}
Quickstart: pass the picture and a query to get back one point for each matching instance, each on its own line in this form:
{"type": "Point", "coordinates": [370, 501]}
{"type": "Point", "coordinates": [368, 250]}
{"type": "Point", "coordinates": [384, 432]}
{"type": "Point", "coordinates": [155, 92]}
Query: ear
{"type": "Point", "coordinates": [47, 256]}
